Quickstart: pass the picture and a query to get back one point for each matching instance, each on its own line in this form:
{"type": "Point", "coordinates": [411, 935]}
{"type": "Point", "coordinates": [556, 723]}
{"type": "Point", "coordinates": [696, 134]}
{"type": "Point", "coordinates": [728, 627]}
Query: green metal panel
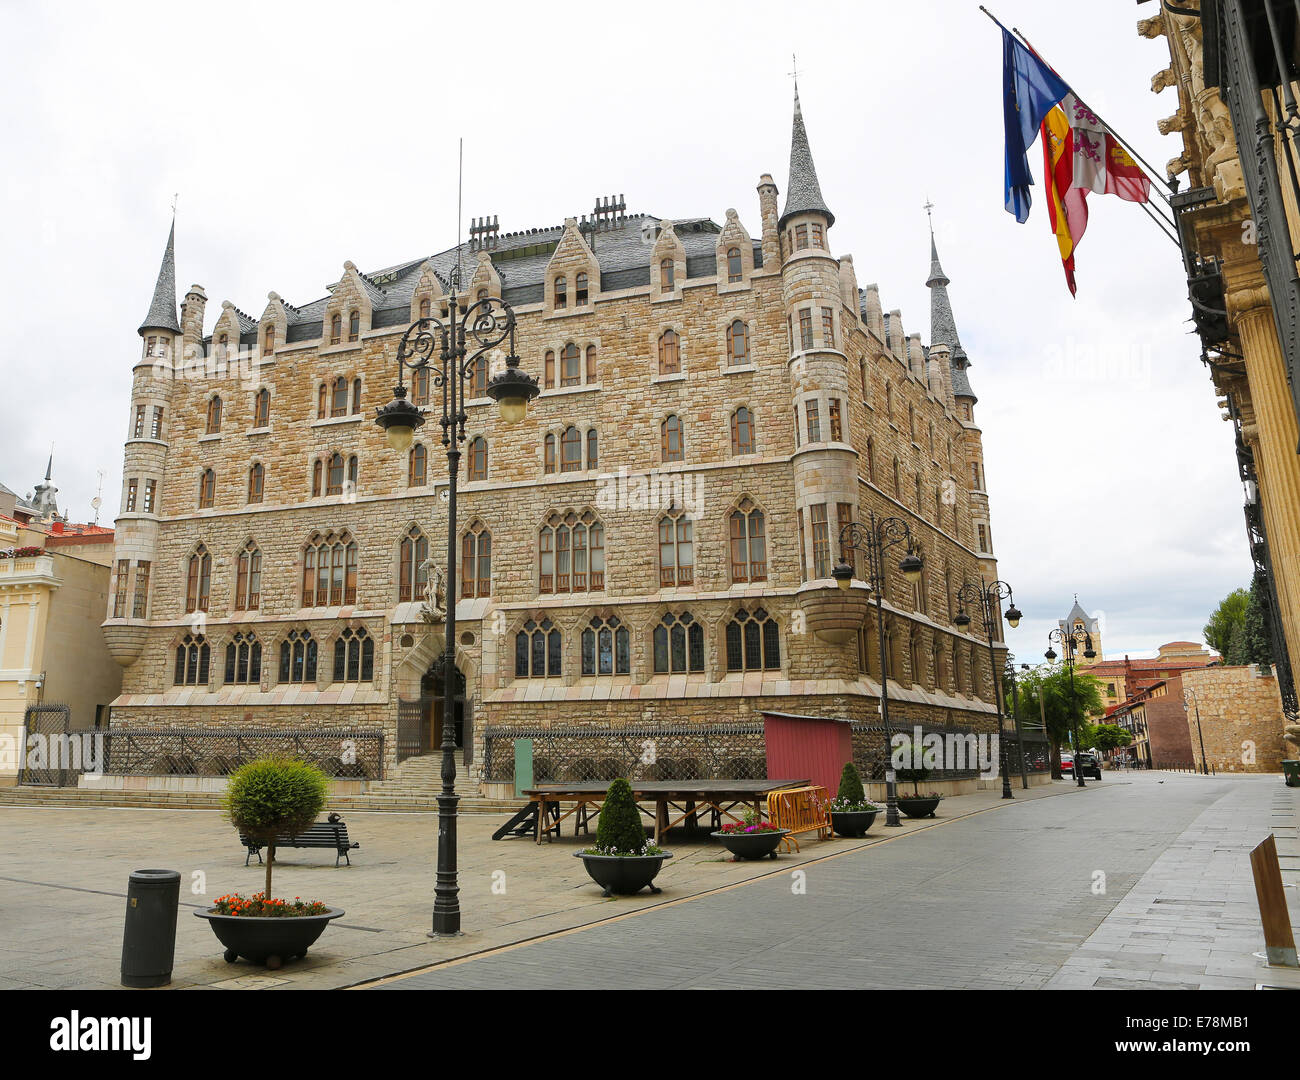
{"type": "Point", "coordinates": [523, 766]}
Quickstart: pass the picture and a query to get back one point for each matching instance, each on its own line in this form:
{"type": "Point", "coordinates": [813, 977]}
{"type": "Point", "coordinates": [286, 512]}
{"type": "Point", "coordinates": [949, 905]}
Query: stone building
{"type": "Point", "coordinates": [1238, 221]}
{"type": "Point", "coordinates": [651, 546]}
{"type": "Point", "coordinates": [1239, 711]}
{"type": "Point", "coordinates": [1121, 679]}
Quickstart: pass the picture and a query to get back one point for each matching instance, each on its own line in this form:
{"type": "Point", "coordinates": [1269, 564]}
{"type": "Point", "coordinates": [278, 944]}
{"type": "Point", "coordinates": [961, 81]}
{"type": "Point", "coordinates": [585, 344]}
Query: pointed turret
{"type": "Point", "coordinates": [43, 500]}
{"type": "Point", "coordinates": [162, 311]}
{"type": "Point", "coordinates": [803, 194]}
{"type": "Point", "coordinates": [943, 327]}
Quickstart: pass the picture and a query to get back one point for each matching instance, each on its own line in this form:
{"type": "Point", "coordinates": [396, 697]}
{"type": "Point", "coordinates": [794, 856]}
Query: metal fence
{"type": "Point", "coordinates": [337, 752]}
{"type": "Point", "coordinates": [680, 752]}
{"type": "Point", "coordinates": [869, 751]}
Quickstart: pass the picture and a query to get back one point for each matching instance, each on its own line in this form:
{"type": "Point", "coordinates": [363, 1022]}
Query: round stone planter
{"type": "Point", "coordinates": [267, 940]}
{"type": "Point", "coordinates": [852, 823]}
{"type": "Point", "coordinates": [755, 845]}
{"type": "Point", "coordinates": [623, 875]}
{"type": "Point", "coordinates": [917, 808]}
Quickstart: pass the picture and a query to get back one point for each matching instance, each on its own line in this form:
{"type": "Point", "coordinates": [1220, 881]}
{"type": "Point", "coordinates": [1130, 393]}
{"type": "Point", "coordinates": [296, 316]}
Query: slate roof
{"type": "Point", "coordinates": [943, 326]}
{"type": "Point", "coordinates": [803, 193]}
{"type": "Point", "coordinates": [1077, 613]}
{"type": "Point", "coordinates": [162, 311]}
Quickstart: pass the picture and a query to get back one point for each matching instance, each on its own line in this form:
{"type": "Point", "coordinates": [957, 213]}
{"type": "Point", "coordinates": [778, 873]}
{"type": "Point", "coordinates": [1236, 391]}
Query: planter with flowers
{"type": "Point", "coordinates": [623, 861]}
{"type": "Point", "coordinates": [915, 805]}
{"type": "Point", "coordinates": [852, 813]}
{"type": "Point", "coordinates": [752, 838]}
{"type": "Point", "coordinates": [268, 799]}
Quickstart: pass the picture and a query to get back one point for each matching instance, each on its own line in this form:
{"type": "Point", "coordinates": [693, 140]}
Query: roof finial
{"type": "Point", "coordinates": [49, 465]}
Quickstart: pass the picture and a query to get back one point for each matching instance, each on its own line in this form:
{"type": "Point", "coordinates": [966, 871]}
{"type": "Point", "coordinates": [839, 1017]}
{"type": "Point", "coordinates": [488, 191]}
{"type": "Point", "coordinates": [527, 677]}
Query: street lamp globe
{"type": "Point", "coordinates": [843, 575]}
{"type": "Point", "coordinates": [911, 567]}
{"type": "Point", "coordinates": [513, 390]}
{"type": "Point", "coordinates": [1013, 616]}
{"type": "Point", "coordinates": [399, 419]}
{"type": "Point", "coordinates": [961, 619]}
{"type": "Point", "coordinates": [1050, 654]}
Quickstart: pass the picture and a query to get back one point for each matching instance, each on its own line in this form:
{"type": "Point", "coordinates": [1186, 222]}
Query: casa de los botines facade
{"type": "Point", "coordinates": [651, 548]}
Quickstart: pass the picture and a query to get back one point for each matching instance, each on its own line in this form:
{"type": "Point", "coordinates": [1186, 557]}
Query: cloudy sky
{"type": "Point", "coordinates": [303, 135]}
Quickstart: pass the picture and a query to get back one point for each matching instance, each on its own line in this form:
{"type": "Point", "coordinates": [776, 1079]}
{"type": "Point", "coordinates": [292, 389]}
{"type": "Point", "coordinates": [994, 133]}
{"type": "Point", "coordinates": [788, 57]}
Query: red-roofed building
{"type": "Point", "coordinates": [1123, 679]}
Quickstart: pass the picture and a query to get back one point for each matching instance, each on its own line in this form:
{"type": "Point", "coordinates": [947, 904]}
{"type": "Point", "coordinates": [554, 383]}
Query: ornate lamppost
{"type": "Point", "coordinates": [1189, 693]}
{"type": "Point", "coordinates": [484, 324]}
{"type": "Point", "coordinates": [1070, 643]}
{"type": "Point", "coordinates": [987, 597]}
{"type": "Point", "coordinates": [874, 539]}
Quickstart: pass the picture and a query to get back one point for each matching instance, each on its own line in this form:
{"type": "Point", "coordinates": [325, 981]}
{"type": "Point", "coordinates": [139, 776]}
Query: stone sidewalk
{"type": "Point", "coordinates": [63, 885]}
{"type": "Point", "coordinates": [1192, 921]}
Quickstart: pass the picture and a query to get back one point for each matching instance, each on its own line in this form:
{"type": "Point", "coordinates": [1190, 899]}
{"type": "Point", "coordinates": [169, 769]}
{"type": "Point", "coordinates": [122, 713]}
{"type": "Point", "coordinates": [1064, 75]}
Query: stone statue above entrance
{"type": "Point", "coordinates": [434, 609]}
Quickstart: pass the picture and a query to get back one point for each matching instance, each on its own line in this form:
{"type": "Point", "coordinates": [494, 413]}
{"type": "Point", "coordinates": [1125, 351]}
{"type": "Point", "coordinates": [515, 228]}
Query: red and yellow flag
{"type": "Point", "coordinates": [1067, 206]}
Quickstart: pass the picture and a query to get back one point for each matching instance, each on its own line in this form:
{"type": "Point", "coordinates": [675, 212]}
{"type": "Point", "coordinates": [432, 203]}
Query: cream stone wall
{"type": "Point", "coordinates": [1241, 718]}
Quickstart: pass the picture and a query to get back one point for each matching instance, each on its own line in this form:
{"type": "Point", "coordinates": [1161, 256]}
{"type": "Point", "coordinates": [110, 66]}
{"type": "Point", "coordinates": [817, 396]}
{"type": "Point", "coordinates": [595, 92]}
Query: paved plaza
{"type": "Point", "coordinates": [989, 894]}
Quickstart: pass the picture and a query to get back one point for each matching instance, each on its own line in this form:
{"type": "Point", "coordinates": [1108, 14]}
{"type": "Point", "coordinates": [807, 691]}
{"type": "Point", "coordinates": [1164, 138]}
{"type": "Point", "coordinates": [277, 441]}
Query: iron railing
{"type": "Point", "coordinates": [339, 752]}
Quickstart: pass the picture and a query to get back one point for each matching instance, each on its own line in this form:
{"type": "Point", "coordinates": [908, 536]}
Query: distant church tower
{"type": "Point", "coordinates": [1080, 618]}
{"type": "Point", "coordinates": [43, 501]}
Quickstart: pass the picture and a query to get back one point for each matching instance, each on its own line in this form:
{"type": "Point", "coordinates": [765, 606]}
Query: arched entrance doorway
{"type": "Point", "coordinates": [432, 703]}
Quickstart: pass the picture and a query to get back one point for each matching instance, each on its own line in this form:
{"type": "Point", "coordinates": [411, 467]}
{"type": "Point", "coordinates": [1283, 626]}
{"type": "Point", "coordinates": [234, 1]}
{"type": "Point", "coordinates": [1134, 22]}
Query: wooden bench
{"type": "Point", "coordinates": [331, 834]}
{"type": "Point", "coordinates": [801, 810]}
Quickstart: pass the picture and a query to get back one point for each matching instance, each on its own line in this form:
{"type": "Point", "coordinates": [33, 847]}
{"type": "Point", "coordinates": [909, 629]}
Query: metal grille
{"type": "Point", "coordinates": [411, 739]}
{"type": "Point", "coordinates": [218, 752]}
{"type": "Point", "coordinates": [50, 723]}
{"type": "Point", "coordinates": [869, 751]}
{"type": "Point", "coordinates": [682, 752]}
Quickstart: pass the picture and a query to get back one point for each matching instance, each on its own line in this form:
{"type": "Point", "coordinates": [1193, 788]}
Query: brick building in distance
{"type": "Point", "coordinates": [651, 546]}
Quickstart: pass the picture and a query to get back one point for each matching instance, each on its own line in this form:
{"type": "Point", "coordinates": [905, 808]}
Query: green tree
{"type": "Point", "coordinates": [1105, 736]}
{"type": "Point", "coordinates": [619, 829]}
{"type": "Point", "coordinates": [1257, 640]}
{"type": "Point", "coordinates": [851, 793]}
{"type": "Point", "coordinates": [1230, 615]}
{"type": "Point", "coordinates": [274, 797]}
{"type": "Point", "coordinates": [1046, 693]}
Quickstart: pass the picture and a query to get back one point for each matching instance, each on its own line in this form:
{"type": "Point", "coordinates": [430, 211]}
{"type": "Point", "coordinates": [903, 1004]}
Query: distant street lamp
{"type": "Point", "coordinates": [1069, 646]}
{"type": "Point", "coordinates": [1188, 693]}
{"type": "Point", "coordinates": [987, 596]}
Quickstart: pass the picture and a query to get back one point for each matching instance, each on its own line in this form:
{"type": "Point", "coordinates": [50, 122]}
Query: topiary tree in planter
{"type": "Point", "coordinates": [915, 753]}
{"type": "Point", "coordinates": [619, 827]}
{"type": "Point", "coordinates": [850, 793]}
{"type": "Point", "coordinates": [274, 797]}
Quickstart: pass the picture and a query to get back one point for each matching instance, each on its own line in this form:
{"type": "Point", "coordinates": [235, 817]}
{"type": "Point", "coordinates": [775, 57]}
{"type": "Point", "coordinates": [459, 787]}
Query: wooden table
{"type": "Point", "coordinates": [687, 798]}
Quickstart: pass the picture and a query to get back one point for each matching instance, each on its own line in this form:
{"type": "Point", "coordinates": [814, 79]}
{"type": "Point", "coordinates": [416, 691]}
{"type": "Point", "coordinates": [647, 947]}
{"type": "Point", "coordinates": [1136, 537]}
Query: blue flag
{"type": "Point", "coordinates": [1029, 90]}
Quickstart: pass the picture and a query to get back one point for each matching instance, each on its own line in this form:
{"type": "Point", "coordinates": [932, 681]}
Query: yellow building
{"type": "Point", "coordinates": [1237, 217]}
{"type": "Point", "coordinates": [54, 583]}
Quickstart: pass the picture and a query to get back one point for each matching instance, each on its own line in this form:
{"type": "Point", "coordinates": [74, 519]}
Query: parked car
{"type": "Point", "coordinates": [1089, 766]}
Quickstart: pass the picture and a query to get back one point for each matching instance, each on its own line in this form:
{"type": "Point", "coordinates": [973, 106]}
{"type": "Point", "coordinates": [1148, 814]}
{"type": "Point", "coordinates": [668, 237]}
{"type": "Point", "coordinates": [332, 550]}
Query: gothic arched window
{"type": "Point", "coordinates": [214, 416]}
{"type": "Point", "coordinates": [248, 579]}
{"type": "Point", "coordinates": [678, 645]}
{"type": "Point", "coordinates": [737, 343]}
{"type": "Point", "coordinates": [571, 554]}
{"type": "Point", "coordinates": [207, 489]}
{"type": "Point", "coordinates": [478, 458]}
{"type": "Point", "coordinates": [243, 660]}
{"type": "Point", "coordinates": [676, 549]}
{"type": "Point", "coordinates": [354, 656]}
{"type": "Point", "coordinates": [753, 642]}
{"type": "Point", "coordinates": [538, 650]}
{"type": "Point", "coordinates": [748, 543]}
{"type": "Point", "coordinates": [670, 353]}
{"type": "Point", "coordinates": [412, 576]}
{"type": "Point", "coordinates": [298, 657]}
{"type": "Point", "coordinates": [193, 656]}
{"type": "Point", "coordinates": [329, 570]}
{"type": "Point", "coordinates": [476, 562]}
{"type": "Point", "coordinates": [672, 439]}
{"type": "Point", "coordinates": [417, 466]}
{"type": "Point", "coordinates": [198, 580]}
{"type": "Point", "coordinates": [742, 431]}
{"type": "Point", "coordinates": [606, 647]}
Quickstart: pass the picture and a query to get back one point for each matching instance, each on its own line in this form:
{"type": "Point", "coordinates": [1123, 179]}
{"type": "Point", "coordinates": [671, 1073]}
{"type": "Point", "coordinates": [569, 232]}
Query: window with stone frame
{"type": "Point", "coordinates": [800, 237]}
{"type": "Point", "coordinates": [843, 519]}
{"type": "Point", "coordinates": [334, 473]}
{"type": "Point", "coordinates": [268, 342]}
{"type": "Point", "coordinates": [871, 459]}
{"type": "Point", "coordinates": [476, 562]}
{"type": "Point", "coordinates": [338, 399]}
{"type": "Point", "coordinates": [836, 419]}
{"type": "Point", "coordinates": [329, 570]}
{"type": "Point", "coordinates": [805, 329]}
{"type": "Point", "coordinates": [262, 408]}
{"type": "Point", "coordinates": [356, 395]}
{"type": "Point", "coordinates": [748, 529]}
{"type": "Point", "coordinates": [336, 329]}
{"type": "Point", "coordinates": [561, 292]}
{"type": "Point", "coordinates": [676, 549]}
{"type": "Point", "coordinates": [248, 578]}
{"type": "Point", "coordinates": [131, 487]}
{"type": "Point", "coordinates": [140, 607]}
{"type": "Point", "coordinates": [298, 657]}
{"type": "Point", "coordinates": [818, 236]}
{"type": "Point", "coordinates": [412, 575]}
{"type": "Point", "coordinates": [821, 541]}
{"type": "Point", "coordinates": [420, 385]}
{"type": "Point", "coordinates": [243, 660]}
{"type": "Point", "coordinates": [580, 289]}
{"type": "Point", "coordinates": [678, 645]}
{"type": "Point", "coordinates": [735, 267]}
{"type": "Point", "coordinates": [137, 431]}
{"type": "Point", "coordinates": [198, 580]}
{"type": "Point", "coordinates": [317, 470]}
{"type": "Point", "coordinates": [672, 441]}
{"type": "Point", "coordinates": [593, 449]}
{"type": "Point", "coordinates": [354, 656]}
{"type": "Point", "coordinates": [670, 353]}
{"type": "Point", "coordinates": [256, 482]}
{"type": "Point", "coordinates": [742, 431]}
{"type": "Point", "coordinates": [156, 423]}
{"type": "Point", "coordinates": [828, 328]}
{"type": "Point", "coordinates": [193, 657]}
{"type": "Point", "coordinates": [591, 364]}
{"type": "Point", "coordinates": [571, 553]}
{"type": "Point", "coordinates": [426, 308]}
{"type": "Point", "coordinates": [916, 656]}
{"type": "Point", "coordinates": [207, 489]}
{"type": "Point", "coordinates": [538, 650]}
{"type": "Point", "coordinates": [417, 466]}
{"type": "Point", "coordinates": [213, 426]}
{"type": "Point", "coordinates": [606, 647]}
{"type": "Point", "coordinates": [354, 325]}
{"type": "Point", "coordinates": [753, 641]}
{"type": "Point", "coordinates": [548, 454]}
{"type": "Point", "coordinates": [477, 459]}
{"type": "Point", "coordinates": [120, 578]}
{"type": "Point", "coordinates": [667, 275]}
{"type": "Point", "coordinates": [737, 343]}
{"type": "Point", "coordinates": [812, 412]}
{"type": "Point", "coordinates": [478, 380]}
{"type": "Point", "coordinates": [571, 450]}
{"type": "Point", "coordinates": [548, 370]}
{"type": "Point", "coordinates": [570, 365]}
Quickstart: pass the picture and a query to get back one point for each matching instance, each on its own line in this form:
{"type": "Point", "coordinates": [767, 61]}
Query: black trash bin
{"type": "Point", "coordinates": [149, 938]}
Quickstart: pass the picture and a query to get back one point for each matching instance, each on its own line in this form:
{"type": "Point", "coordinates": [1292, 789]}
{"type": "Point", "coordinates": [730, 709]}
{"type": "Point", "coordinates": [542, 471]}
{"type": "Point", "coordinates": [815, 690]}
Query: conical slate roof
{"type": "Point", "coordinates": [943, 327]}
{"type": "Point", "coordinates": [1077, 614]}
{"type": "Point", "coordinates": [803, 193]}
{"type": "Point", "coordinates": [162, 311]}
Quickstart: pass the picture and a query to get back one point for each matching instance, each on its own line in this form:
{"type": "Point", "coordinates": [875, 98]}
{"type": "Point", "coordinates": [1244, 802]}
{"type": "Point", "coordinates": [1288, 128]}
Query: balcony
{"type": "Point", "coordinates": [30, 570]}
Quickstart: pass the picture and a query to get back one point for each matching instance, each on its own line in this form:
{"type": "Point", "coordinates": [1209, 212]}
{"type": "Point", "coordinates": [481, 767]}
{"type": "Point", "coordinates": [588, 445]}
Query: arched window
{"type": "Point", "coordinates": [417, 466]}
{"type": "Point", "coordinates": [356, 395]}
{"type": "Point", "coordinates": [911, 422]}
{"type": "Point", "coordinates": [871, 459]}
{"type": "Point", "coordinates": [339, 397]}
{"type": "Point", "coordinates": [667, 275]}
{"type": "Point", "coordinates": [248, 579]}
{"type": "Point", "coordinates": [354, 656]}
{"type": "Point", "coordinates": [329, 570]}
{"type": "Point", "coordinates": [898, 480]}
{"type": "Point", "coordinates": [479, 378]}
{"type": "Point", "coordinates": [198, 580]}
{"type": "Point", "coordinates": [676, 549]}
{"type": "Point", "coordinates": [753, 642]}
{"type": "Point", "coordinates": [742, 431]}
{"type": "Point", "coordinates": [352, 474]}
{"type": "Point", "coordinates": [316, 470]}
{"type": "Point", "coordinates": [580, 289]}
{"type": "Point", "coordinates": [193, 656]}
{"type": "Point", "coordinates": [593, 449]}
{"type": "Point", "coordinates": [223, 346]}
{"type": "Point", "coordinates": [591, 363]}
{"type": "Point", "coordinates": [570, 365]}
{"type": "Point", "coordinates": [606, 647]}
{"type": "Point", "coordinates": [748, 543]}
{"type": "Point", "coordinates": [735, 270]}
{"type": "Point", "coordinates": [322, 401]}
{"type": "Point", "coordinates": [420, 386]}
{"type": "Point", "coordinates": [571, 450]}
{"type": "Point", "coordinates": [207, 489]}
{"type": "Point", "coordinates": [354, 326]}
{"type": "Point", "coordinates": [478, 458]}
{"type": "Point", "coordinates": [214, 416]}
{"type": "Point", "coordinates": [298, 657]}
{"type": "Point", "coordinates": [426, 308]}
{"type": "Point", "coordinates": [561, 292]}
{"type": "Point", "coordinates": [548, 454]}
{"type": "Point", "coordinates": [548, 370]}
{"type": "Point", "coordinates": [916, 657]}
{"type": "Point", "coordinates": [482, 294]}
{"type": "Point", "coordinates": [670, 354]}
{"type": "Point", "coordinates": [256, 480]}
{"type": "Point", "coordinates": [737, 343]}
{"type": "Point", "coordinates": [412, 576]}
{"type": "Point", "coordinates": [476, 562]}
{"type": "Point", "coordinates": [243, 660]}
{"type": "Point", "coordinates": [268, 346]}
{"type": "Point", "coordinates": [672, 442]}
{"type": "Point", "coordinates": [889, 401]}
{"type": "Point", "coordinates": [678, 645]}
{"type": "Point", "coordinates": [571, 554]}
{"type": "Point", "coordinates": [538, 650]}
{"type": "Point", "coordinates": [336, 329]}
{"type": "Point", "coordinates": [262, 408]}
{"type": "Point", "coordinates": [334, 476]}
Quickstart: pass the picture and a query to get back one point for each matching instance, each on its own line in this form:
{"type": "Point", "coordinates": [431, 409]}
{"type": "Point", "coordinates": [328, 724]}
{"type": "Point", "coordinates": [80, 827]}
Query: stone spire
{"type": "Point", "coordinates": [43, 500]}
{"type": "Point", "coordinates": [162, 311]}
{"type": "Point", "coordinates": [803, 194]}
{"type": "Point", "coordinates": [943, 327]}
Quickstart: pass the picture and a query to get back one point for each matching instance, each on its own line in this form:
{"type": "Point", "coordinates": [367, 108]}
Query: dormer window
{"type": "Point", "coordinates": [734, 270]}
{"type": "Point", "coordinates": [561, 292]}
{"type": "Point", "coordinates": [580, 290]}
{"type": "Point", "coordinates": [354, 326]}
{"type": "Point", "coordinates": [425, 308]}
{"type": "Point", "coordinates": [336, 330]}
{"type": "Point", "coordinates": [268, 345]}
{"type": "Point", "coordinates": [667, 275]}
{"type": "Point", "coordinates": [223, 346]}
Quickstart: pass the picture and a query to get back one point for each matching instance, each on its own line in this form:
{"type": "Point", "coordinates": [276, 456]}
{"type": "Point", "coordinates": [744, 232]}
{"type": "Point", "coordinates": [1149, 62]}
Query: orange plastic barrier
{"type": "Point", "coordinates": [801, 810]}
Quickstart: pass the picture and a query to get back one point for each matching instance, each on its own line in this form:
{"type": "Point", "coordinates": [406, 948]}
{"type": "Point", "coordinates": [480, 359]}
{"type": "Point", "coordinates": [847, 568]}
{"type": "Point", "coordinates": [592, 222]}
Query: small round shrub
{"type": "Point", "coordinates": [851, 793]}
{"type": "Point", "coordinates": [274, 797]}
{"type": "Point", "coordinates": [619, 828]}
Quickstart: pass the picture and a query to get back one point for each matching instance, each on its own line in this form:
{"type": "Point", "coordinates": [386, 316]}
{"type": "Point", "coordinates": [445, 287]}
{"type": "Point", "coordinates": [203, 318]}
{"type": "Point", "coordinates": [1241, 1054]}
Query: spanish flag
{"type": "Point", "coordinates": [1067, 205]}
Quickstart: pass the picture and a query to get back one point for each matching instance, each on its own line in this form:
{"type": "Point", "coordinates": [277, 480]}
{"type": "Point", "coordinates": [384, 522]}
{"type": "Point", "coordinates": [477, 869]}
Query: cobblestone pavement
{"type": "Point", "coordinates": [1009, 899]}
